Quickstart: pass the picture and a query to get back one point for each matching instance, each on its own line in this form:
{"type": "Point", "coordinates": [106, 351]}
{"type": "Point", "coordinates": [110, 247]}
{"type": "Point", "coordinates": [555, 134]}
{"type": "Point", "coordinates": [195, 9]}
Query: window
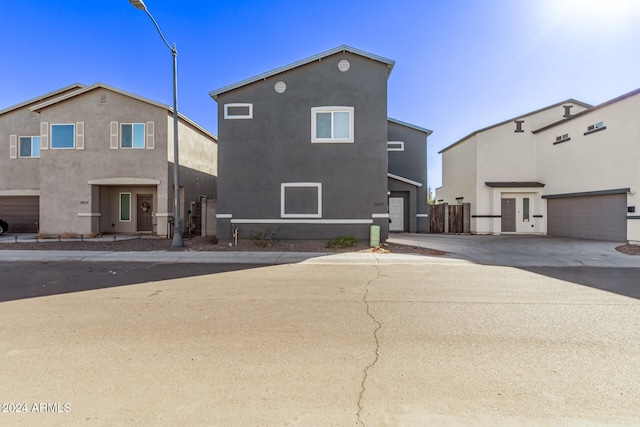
{"type": "Point", "coordinates": [595, 128]}
{"type": "Point", "coordinates": [238, 111]}
{"type": "Point", "coordinates": [562, 138]}
{"type": "Point", "coordinates": [332, 124]}
{"type": "Point", "coordinates": [525, 209]}
{"type": "Point", "coordinates": [62, 136]}
{"type": "Point", "coordinates": [132, 135]}
{"type": "Point", "coordinates": [395, 145]}
{"type": "Point", "coordinates": [125, 207]}
{"type": "Point", "coordinates": [301, 200]}
{"type": "Point", "coordinates": [29, 146]}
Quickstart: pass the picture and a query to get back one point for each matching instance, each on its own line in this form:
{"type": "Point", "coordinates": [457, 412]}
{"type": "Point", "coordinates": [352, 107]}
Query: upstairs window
{"type": "Point", "coordinates": [132, 135]}
{"type": "Point", "coordinates": [238, 111]}
{"type": "Point", "coordinates": [562, 138]}
{"type": "Point", "coordinates": [63, 136]}
{"type": "Point", "coordinates": [332, 124]}
{"type": "Point", "coordinates": [29, 146]}
{"type": "Point", "coordinates": [595, 128]}
{"type": "Point", "coordinates": [395, 145]}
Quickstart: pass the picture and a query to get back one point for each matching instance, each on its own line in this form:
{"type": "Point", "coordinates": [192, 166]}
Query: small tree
{"type": "Point", "coordinates": [430, 199]}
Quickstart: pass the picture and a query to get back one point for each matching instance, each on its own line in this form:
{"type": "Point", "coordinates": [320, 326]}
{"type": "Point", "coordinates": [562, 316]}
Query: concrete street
{"type": "Point", "coordinates": [322, 343]}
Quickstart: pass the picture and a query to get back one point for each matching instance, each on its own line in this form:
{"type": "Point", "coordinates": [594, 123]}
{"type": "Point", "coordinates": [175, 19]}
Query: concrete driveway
{"type": "Point", "coordinates": [522, 250]}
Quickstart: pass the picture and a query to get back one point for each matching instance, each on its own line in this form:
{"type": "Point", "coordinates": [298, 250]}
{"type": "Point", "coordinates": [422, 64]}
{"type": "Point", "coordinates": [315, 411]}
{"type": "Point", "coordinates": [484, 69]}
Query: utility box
{"type": "Point", "coordinates": [374, 236]}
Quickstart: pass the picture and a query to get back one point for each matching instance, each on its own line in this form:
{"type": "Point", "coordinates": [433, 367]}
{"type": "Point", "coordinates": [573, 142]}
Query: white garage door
{"type": "Point", "coordinates": [591, 217]}
{"type": "Point", "coordinates": [21, 213]}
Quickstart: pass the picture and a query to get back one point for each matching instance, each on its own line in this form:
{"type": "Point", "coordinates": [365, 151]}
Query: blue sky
{"type": "Point", "coordinates": [461, 65]}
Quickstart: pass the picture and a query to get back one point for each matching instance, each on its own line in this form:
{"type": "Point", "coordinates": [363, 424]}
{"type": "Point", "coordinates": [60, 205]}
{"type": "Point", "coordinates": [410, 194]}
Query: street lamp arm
{"type": "Point", "coordinates": [173, 49]}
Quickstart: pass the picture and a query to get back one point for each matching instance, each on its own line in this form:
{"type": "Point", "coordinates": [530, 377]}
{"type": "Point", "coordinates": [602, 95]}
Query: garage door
{"type": "Point", "coordinates": [591, 217]}
{"type": "Point", "coordinates": [21, 213]}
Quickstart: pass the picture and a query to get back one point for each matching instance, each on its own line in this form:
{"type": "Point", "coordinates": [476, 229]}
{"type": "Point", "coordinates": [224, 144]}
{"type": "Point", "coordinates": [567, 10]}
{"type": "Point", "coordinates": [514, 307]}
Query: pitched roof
{"type": "Point", "coordinates": [86, 89]}
{"type": "Point", "coordinates": [344, 48]}
{"type": "Point", "coordinates": [570, 100]}
{"type": "Point", "coordinates": [42, 97]}
{"type": "Point", "coordinates": [589, 110]}
{"type": "Point", "coordinates": [409, 125]}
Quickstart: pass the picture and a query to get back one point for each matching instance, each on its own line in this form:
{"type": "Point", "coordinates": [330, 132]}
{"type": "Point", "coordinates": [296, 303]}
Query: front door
{"type": "Point", "coordinates": [145, 212]}
{"type": "Point", "coordinates": [396, 214]}
{"type": "Point", "coordinates": [508, 213]}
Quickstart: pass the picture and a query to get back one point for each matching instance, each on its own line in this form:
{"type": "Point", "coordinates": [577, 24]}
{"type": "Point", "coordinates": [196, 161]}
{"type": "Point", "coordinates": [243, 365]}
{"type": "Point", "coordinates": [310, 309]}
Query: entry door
{"type": "Point", "coordinates": [396, 214]}
{"type": "Point", "coordinates": [508, 212]}
{"type": "Point", "coordinates": [145, 212]}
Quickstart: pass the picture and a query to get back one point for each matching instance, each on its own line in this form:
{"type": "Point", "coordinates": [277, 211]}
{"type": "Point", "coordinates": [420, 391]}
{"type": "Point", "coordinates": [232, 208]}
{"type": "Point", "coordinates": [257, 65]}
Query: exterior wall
{"type": "Point", "coordinates": [412, 164]}
{"type": "Point", "coordinates": [257, 155]}
{"type": "Point", "coordinates": [198, 159]}
{"type": "Point", "coordinates": [66, 196]}
{"type": "Point", "coordinates": [605, 160]}
{"type": "Point", "coordinates": [498, 154]}
{"type": "Point", "coordinates": [20, 176]}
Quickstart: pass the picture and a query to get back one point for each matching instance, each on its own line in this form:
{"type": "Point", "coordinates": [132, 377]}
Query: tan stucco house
{"type": "Point", "coordinates": [86, 160]}
{"type": "Point", "coordinates": [569, 169]}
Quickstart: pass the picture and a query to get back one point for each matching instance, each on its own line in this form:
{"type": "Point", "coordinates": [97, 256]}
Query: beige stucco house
{"type": "Point", "coordinates": [567, 170]}
{"type": "Point", "coordinates": [86, 160]}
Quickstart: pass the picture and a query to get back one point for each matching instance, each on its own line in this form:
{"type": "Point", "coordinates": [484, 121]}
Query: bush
{"type": "Point", "coordinates": [263, 237]}
{"type": "Point", "coordinates": [343, 242]}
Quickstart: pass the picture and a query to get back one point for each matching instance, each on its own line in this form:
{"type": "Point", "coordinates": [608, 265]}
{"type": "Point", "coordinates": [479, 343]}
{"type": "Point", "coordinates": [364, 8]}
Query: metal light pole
{"type": "Point", "coordinates": [177, 229]}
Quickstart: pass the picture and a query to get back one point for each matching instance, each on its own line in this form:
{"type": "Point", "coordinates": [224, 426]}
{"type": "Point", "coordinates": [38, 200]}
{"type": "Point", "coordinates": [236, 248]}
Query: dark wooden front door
{"type": "Point", "coordinates": [145, 212]}
{"type": "Point", "coordinates": [508, 213]}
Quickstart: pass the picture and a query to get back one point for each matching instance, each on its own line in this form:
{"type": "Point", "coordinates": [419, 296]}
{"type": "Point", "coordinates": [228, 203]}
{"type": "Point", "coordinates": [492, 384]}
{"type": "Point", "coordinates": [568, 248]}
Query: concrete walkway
{"type": "Point", "coordinates": [503, 250]}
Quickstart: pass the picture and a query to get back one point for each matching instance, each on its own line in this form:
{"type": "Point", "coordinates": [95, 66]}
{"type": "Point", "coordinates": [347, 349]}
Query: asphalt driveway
{"type": "Point", "coordinates": [522, 250]}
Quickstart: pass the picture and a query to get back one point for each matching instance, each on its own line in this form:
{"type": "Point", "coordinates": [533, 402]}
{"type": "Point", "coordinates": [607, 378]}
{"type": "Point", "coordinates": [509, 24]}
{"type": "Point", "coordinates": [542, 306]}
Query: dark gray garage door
{"type": "Point", "coordinates": [21, 213]}
{"type": "Point", "coordinates": [592, 217]}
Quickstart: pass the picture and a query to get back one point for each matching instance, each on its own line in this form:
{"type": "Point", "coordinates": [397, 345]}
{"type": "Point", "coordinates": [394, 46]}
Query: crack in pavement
{"type": "Point", "coordinates": [363, 387]}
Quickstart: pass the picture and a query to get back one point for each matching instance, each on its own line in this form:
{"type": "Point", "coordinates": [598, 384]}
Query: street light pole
{"type": "Point", "coordinates": [177, 229]}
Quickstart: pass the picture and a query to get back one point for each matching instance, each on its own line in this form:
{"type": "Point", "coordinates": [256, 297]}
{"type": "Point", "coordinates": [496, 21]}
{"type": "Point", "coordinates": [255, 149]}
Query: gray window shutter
{"type": "Point", "coordinates": [44, 135]}
{"type": "Point", "coordinates": [114, 135]}
{"type": "Point", "coordinates": [151, 135]}
{"type": "Point", "coordinates": [13, 146]}
{"type": "Point", "coordinates": [80, 136]}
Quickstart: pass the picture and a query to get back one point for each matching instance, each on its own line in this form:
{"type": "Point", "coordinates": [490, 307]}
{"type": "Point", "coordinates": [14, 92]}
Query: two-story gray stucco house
{"type": "Point", "coordinates": [86, 160]}
{"type": "Point", "coordinates": [303, 150]}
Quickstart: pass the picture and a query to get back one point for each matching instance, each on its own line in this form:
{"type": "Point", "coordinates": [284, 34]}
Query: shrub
{"type": "Point", "coordinates": [263, 237]}
{"type": "Point", "coordinates": [343, 242]}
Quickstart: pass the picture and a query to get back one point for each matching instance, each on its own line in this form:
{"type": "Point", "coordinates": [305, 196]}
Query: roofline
{"type": "Point", "coordinates": [584, 104]}
{"type": "Point", "coordinates": [597, 107]}
{"type": "Point", "coordinates": [41, 97]}
{"type": "Point", "coordinates": [344, 48]}
{"type": "Point", "coordinates": [402, 179]}
{"type": "Point", "coordinates": [409, 125]}
{"type": "Point", "coordinates": [125, 93]}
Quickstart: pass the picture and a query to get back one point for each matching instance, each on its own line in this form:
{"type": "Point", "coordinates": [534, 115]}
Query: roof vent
{"type": "Point", "coordinates": [280, 87]}
{"type": "Point", "coordinates": [344, 65]}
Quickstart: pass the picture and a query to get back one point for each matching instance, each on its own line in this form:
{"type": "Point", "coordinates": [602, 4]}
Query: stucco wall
{"type": "Point", "coordinates": [20, 176]}
{"type": "Point", "coordinates": [65, 191]}
{"type": "Point", "coordinates": [257, 155]}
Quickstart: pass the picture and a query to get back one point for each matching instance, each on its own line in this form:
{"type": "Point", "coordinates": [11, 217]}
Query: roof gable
{"type": "Point", "coordinates": [98, 85]}
{"type": "Point", "coordinates": [589, 110]}
{"type": "Point", "coordinates": [344, 48]}
{"type": "Point", "coordinates": [570, 100]}
{"type": "Point", "coordinates": [409, 125]}
{"type": "Point", "coordinates": [42, 98]}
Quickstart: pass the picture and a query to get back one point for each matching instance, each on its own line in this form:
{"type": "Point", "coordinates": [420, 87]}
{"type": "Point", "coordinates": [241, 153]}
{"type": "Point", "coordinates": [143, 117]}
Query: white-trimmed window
{"type": "Point", "coordinates": [238, 110]}
{"type": "Point", "coordinates": [301, 200]}
{"type": "Point", "coordinates": [125, 207]}
{"type": "Point", "coordinates": [63, 136]}
{"type": "Point", "coordinates": [395, 145]}
{"type": "Point", "coordinates": [332, 124]}
{"type": "Point", "coordinates": [29, 146]}
{"type": "Point", "coordinates": [132, 135]}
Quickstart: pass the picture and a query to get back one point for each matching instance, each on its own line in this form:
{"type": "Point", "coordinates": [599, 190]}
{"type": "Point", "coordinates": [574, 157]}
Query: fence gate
{"type": "Point", "coordinates": [436, 215]}
{"type": "Point", "coordinates": [447, 218]}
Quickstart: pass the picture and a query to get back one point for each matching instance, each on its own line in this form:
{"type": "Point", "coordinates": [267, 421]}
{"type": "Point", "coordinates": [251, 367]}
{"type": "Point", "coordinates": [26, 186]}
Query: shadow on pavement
{"type": "Point", "coordinates": [621, 281]}
{"type": "Point", "coordinates": [36, 279]}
